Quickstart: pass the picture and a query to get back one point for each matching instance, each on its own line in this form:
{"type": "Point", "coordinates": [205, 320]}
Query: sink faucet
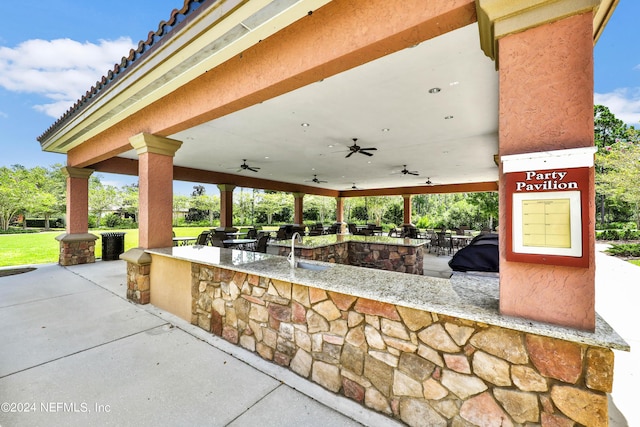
{"type": "Point", "coordinates": [291, 257]}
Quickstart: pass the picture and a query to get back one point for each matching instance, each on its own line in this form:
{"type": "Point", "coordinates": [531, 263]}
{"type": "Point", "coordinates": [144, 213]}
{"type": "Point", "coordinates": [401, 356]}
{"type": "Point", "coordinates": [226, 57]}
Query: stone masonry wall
{"type": "Point", "coordinates": [422, 368]}
{"type": "Point", "coordinates": [77, 252]}
{"type": "Point", "coordinates": [402, 259]}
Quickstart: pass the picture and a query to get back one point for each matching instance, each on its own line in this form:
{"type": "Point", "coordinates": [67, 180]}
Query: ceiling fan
{"type": "Point", "coordinates": [245, 166]}
{"type": "Point", "coordinates": [316, 180]}
{"type": "Point", "coordinates": [428, 181]}
{"type": "Point", "coordinates": [355, 148]}
{"type": "Point", "coordinates": [406, 171]}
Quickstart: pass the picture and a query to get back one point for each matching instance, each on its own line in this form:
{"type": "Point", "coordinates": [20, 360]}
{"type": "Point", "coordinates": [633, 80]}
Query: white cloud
{"type": "Point", "coordinates": [61, 70]}
{"type": "Point", "coordinates": [623, 103]}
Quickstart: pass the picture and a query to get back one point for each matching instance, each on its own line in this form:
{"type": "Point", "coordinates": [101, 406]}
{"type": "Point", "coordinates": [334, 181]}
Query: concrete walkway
{"type": "Point", "coordinates": [75, 352]}
{"type": "Point", "coordinates": [617, 298]}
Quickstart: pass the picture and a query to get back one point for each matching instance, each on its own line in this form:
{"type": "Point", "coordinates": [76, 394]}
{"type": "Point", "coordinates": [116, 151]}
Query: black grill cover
{"type": "Point", "coordinates": [480, 255]}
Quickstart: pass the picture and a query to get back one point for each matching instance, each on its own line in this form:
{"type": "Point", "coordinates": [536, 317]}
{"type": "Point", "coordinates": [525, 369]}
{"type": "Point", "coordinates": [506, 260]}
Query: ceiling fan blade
{"type": "Point", "coordinates": [253, 169]}
{"type": "Point", "coordinates": [365, 153]}
{"type": "Point", "coordinates": [372, 148]}
{"type": "Point", "coordinates": [349, 155]}
{"type": "Point", "coordinates": [413, 173]}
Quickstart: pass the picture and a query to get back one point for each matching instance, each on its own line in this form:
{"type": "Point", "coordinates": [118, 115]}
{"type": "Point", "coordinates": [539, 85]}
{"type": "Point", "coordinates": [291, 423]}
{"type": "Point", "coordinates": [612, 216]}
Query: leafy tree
{"type": "Point", "coordinates": [487, 204]}
{"type": "Point", "coordinates": [15, 190]}
{"type": "Point", "coordinates": [394, 213]}
{"type": "Point", "coordinates": [48, 186]}
{"type": "Point", "coordinates": [243, 208]}
{"type": "Point", "coordinates": [318, 208]}
{"type": "Point", "coordinates": [272, 203]}
{"type": "Point", "coordinates": [606, 127]}
{"type": "Point", "coordinates": [621, 165]}
{"type": "Point", "coordinates": [130, 200]}
{"type": "Point", "coordinates": [180, 204]}
{"type": "Point", "coordinates": [102, 198]}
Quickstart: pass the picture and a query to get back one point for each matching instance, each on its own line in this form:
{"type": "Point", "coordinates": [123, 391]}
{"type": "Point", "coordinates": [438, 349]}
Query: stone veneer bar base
{"type": "Point", "coordinates": [398, 258]}
{"type": "Point", "coordinates": [77, 249]}
{"type": "Point", "coordinates": [421, 367]}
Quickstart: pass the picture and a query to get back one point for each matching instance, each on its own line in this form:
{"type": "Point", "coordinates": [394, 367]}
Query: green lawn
{"type": "Point", "coordinates": [635, 262]}
{"type": "Point", "coordinates": [43, 248]}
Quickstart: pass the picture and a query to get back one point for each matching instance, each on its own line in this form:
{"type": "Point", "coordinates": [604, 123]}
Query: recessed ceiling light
{"type": "Point", "coordinates": [434, 90]}
{"type": "Point", "coordinates": [454, 83]}
{"type": "Point", "coordinates": [266, 157]}
{"type": "Point", "coordinates": [313, 169]}
{"type": "Point", "coordinates": [305, 125]}
{"type": "Point", "coordinates": [385, 129]}
{"type": "Point", "coordinates": [369, 162]}
{"type": "Point", "coordinates": [448, 117]}
{"type": "Point", "coordinates": [330, 145]}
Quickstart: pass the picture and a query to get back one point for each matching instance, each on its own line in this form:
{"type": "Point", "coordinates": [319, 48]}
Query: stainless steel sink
{"type": "Point", "coordinates": [309, 266]}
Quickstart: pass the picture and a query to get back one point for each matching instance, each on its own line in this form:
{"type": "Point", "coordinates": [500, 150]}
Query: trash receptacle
{"type": "Point", "coordinates": [112, 246]}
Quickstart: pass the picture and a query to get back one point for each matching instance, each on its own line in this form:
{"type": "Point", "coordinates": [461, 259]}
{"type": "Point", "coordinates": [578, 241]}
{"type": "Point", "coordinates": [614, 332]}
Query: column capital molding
{"type": "Point", "coordinates": [407, 196]}
{"type": "Point", "coordinates": [226, 187]}
{"type": "Point", "coordinates": [499, 18]}
{"type": "Point", "coordinates": [149, 143]}
{"type": "Point", "coordinates": [71, 172]}
{"type": "Point", "coordinates": [298, 194]}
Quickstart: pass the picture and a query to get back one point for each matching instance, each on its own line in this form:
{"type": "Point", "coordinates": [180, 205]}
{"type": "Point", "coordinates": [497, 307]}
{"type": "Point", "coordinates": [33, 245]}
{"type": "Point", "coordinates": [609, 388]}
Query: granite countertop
{"type": "Point", "coordinates": [468, 296]}
{"type": "Point", "coordinates": [311, 242]}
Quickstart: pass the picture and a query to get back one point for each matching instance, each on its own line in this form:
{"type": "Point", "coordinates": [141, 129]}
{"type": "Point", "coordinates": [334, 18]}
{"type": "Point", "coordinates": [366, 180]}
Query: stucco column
{"type": "Point", "coordinates": [340, 214]}
{"type": "Point", "coordinates": [407, 209]}
{"type": "Point", "coordinates": [298, 207]}
{"type": "Point", "coordinates": [77, 245]}
{"type": "Point", "coordinates": [226, 206]}
{"type": "Point", "coordinates": [155, 173]}
{"type": "Point", "coordinates": [546, 103]}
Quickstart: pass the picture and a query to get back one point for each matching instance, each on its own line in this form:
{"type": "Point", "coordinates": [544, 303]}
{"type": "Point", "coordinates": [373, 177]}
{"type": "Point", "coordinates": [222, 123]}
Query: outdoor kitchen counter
{"type": "Point", "coordinates": [467, 296]}
{"type": "Point", "coordinates": [380, 252]}
{"type": "Point", "coordinates": [312, 242]}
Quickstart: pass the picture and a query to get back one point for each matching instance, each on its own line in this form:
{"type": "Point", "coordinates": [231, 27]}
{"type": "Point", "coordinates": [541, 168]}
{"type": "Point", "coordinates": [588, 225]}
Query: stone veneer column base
{"type": "Point", "coordinates": [77, 249]}
{"type": "Point", "coordinates": [138, 275]}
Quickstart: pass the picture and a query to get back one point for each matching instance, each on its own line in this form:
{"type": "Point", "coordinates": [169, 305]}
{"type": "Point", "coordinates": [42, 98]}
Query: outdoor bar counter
{"type": "Point", "coordinates": [381, 252]}
{"type": "Point", "coordinates": [413, 347]}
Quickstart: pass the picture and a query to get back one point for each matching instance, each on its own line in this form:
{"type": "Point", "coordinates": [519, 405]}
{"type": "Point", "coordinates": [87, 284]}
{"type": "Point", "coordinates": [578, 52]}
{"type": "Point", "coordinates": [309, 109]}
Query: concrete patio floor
{"type": "Point", "coordinates": [76, 352]}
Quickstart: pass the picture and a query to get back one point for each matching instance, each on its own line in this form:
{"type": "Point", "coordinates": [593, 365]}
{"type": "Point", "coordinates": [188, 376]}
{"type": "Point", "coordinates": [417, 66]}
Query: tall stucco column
{"type": "Point", "coordinates": [340, 214]}
{"type": "Point", "coordinates": [298, 207]}
{"type": "Point", "coordinates": [546, 103]}
{"type": "Point", "coordinates": [407, 209]}
{"type": "Point", "coordinates": [226, 206]}
{"type": "Point", "coordinates": [155, 173]}
{"type": "Point", "coordinates": [77, 245]}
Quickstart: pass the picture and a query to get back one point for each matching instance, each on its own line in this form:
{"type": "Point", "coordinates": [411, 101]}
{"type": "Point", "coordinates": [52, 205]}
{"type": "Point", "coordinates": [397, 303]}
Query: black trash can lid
{"type": "Point", "coordinates": [113, 233]}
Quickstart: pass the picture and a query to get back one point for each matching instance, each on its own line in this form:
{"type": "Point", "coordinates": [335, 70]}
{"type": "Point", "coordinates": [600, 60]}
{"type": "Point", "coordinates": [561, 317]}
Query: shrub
{"type": "Point", "coordinates": [618, 235]}
{"type": "Point", "coordinates": [625, 249]}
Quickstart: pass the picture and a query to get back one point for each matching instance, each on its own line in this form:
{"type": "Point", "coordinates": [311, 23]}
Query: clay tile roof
{"type": "Point", "coordinates": [154, 38]}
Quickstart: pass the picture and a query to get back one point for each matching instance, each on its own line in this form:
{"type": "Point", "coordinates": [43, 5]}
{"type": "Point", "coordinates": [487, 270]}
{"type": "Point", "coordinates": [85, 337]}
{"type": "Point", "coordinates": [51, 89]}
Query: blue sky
{"type": "Point", "coordinates": [53, 51]}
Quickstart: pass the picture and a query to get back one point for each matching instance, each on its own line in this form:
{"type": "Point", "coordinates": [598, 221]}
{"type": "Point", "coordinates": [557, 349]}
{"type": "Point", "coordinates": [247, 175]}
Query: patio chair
{"type": "Point", "coordinates": [282, 234]}
{"type": "Point", "coordinates": [443, 243]}
{"type": "Point", "coordinates": [261, 244]}
{"type": "Point", "coordinates": [252, 233]}
{"type": "Point", "coordinates": [217, 239]}
{"type": "Point", "coordinates": [203, 238]}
